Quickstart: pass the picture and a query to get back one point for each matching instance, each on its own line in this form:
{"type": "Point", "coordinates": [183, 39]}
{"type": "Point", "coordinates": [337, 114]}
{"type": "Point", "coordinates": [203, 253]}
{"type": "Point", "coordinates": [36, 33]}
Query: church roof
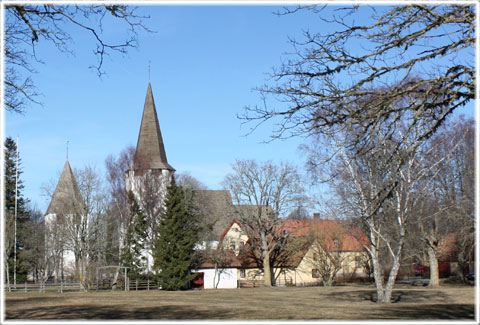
{"type": "Point", "coordinates": [67, 198]}
{"type": "Point", "coordinates": [216, 207]}
{"type": "Point", "coordinates": [150, 153]}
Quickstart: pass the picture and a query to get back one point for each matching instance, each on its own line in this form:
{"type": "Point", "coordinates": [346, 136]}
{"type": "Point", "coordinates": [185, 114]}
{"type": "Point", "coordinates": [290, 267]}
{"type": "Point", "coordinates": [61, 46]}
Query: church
{"type": "Point", "coordinates": [147, 178]}
{"type": "Point", "coordinates": [151, 173]}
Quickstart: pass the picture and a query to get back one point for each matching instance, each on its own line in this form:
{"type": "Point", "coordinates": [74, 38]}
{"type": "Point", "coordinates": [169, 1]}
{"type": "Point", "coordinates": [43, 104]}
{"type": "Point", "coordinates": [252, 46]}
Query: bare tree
{"type": "Point", "coordinates": [27, 25]}
{"type": "Point", "coordinates": [8, 244]}
{"type": "Point", "coordinates": [382, 188]}
{"type": "Point", "coordinates": [327, 258]}
{"type": "Point", "coordinates": [449, 209]}
{"type": "Point", "coordinates": [52, 249]}
{"type": "Point", "coordinates": [264, 192]}
{"type": "Point", "coordinates": [119, 217]}
{"type": "Point", "coordinates": [151, 190]}
{"type": "Point", "coordinates": [75, 226]}
{"type": "Point", "coordinates": [92, 239]}
{"type": "Point", "coordinates": [330, 82]}
{"type": "Point", "coordinates": [186, 180]}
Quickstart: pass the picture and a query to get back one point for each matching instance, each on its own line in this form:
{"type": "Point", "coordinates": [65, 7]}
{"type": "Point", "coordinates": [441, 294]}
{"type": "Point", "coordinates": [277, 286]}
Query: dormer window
{"type": "Point", "coordinates": [232, 246]}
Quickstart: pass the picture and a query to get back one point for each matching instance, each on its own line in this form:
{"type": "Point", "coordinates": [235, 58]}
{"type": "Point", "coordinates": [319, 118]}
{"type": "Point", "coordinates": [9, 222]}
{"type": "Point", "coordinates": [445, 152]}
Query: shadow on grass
{"type": "Point", "coordinates": [410, 304]}
{"type": "Point", "coordinates": [117, 312]}
{"type": "Point", "coordinates": [13, 301]}
{"type": "Point", "coordinates": [426, 312]}
{"type": "Point", "coordinates": [405, 296]}
{"type": "Point", "coordinates": [384, 312]}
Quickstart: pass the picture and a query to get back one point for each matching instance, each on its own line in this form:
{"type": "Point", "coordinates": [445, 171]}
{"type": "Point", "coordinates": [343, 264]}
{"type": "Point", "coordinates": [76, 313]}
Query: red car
{"type": "Point", "coordinates": [420, 270]}
{"type": "Point", "coordinates": [443, 270]}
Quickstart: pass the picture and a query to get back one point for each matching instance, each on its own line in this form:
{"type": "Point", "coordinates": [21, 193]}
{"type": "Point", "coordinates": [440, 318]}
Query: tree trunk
{"type": "Point", "coordinates": [83, 275]}
{"type": "Point", "coordinates": [215, 284]}
{"type": "Point", "coordinates": [267, 272]}
{"type": "Point", "coordinates": [115, 278]}
{"type": "Point", "coordinates": [379, 280]}
{"type": "Point", "coordinates": [386, 296]}
{"type": "Point", "coordinates": [384, 290]}
{"type": "Point", "coordinates": [7, 273]}
{"type": "Point", "coordinates": [77, 267]}
{"type": "Point", "coordinates": [328, 282]}
{"type": "Point", "coordinates": [432, 259]}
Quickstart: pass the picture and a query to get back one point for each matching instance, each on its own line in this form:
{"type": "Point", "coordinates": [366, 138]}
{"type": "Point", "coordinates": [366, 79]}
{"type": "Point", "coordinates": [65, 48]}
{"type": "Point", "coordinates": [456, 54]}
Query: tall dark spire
{"type": "Point", "coordinates": [150, 153]}
{"type": "Point", "coordinates": [67, 198]}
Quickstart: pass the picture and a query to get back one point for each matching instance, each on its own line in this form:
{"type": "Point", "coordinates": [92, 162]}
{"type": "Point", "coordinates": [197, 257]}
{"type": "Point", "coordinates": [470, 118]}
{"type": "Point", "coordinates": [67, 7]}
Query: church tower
{"type": "Point", "coordinates": [66, 199]}
{"type": "Point", "coordinates": [150, 174]}
{"type": "Point", "coordinates": [151, 171]}
{"type": "Point", "coordinates": [66, 206]}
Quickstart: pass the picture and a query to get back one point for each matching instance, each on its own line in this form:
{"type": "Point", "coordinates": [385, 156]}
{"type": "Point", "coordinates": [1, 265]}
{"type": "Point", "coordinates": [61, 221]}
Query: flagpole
{"type": "Point", "coordinates": [15, 232]}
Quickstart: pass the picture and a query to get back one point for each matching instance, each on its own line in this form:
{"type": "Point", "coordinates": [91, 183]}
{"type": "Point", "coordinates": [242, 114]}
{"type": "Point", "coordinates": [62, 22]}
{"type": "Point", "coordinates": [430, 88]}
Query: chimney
{"type": "Point", "coordinates": [316, 216]}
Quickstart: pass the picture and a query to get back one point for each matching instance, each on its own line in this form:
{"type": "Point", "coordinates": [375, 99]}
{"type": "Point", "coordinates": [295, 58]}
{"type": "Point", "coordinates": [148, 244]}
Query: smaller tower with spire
{"type": "Point", "coordinates": [66, 198]}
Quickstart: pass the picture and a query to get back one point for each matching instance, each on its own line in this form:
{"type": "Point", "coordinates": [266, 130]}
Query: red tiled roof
{"type": "Point", "coordinates": [351, 239]}
{"type": "Point", "coordinates": [225, 258]}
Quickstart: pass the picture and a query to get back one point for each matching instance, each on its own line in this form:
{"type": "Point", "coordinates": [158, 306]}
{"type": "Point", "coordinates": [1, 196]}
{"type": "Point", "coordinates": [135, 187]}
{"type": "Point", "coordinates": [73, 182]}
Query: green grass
{"type": "Point", "coordinates": [294, 303]}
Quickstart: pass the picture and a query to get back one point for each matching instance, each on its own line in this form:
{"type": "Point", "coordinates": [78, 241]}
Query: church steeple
{"type": "Point", "coordinates": [67, 198]}
{"type": "Point", "coordinates": [150, 153]}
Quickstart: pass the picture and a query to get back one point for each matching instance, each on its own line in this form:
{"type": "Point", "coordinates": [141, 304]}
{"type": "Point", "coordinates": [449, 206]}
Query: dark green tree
{"type": "Point", "coordinates": [22, 210]}
{"type": "Point", "coordinates": [131, 255]}
{"type": "Point", "coordinates": [177, 235]}
{"type": "Point", "coordinates": [32, 255]}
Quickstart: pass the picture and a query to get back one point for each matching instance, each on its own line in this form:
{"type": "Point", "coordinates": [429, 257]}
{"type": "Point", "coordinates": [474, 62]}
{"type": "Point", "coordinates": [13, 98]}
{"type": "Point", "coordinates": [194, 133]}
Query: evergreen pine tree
{"type": "Point", "coordinates": [22, 210]}
{"type": "Point", "coordinates": [135, 240]}
{"type": "Point", "coordinates": [177, 236]}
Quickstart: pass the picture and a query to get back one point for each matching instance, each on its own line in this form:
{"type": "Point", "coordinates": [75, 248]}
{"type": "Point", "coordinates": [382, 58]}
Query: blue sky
{"type": "Point", "coordinates": [205, 61]}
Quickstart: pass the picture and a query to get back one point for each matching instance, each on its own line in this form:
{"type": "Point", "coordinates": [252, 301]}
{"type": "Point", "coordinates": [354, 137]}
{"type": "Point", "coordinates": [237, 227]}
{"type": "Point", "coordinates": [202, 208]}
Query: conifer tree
{"type": "Point", "coordinates": [135, 240]}
{"type": "Point", "coordinates": [22, 210]}
{"type": "Point", "coordinates": [177, 235]}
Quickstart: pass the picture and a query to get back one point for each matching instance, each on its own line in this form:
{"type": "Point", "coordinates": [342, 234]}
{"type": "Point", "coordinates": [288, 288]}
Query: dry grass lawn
{"type": "Point", "coordinates": [294, 303]}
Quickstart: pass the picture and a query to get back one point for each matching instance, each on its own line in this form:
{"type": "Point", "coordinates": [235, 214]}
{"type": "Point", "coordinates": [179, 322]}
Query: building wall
{"type": "Point", "coordinates": [351, 266]}
{"type": "Point", "coordinates": [155, 183]}
{"type": "Point", "coordinates": [302, 274]}
{"type": "Point", "coordinates": [136, 183]}
{"type": "Point", "coordinates": [225, 279]}
{"type": "Point", "coordinates": [234, 238]}
{"type": "Point", "coordinates": [52, 240]}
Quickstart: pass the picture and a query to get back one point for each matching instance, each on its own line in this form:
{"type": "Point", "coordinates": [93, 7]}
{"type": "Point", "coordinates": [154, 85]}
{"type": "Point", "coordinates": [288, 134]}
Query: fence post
{"type": "Point", "coordinates": [136, 285]}
{"type": "Point", "coordinates": [127, 282]}
{"type": "Point", "coordinates": [148, 284]}
{"type": "Point", "coordinates": [61, 286]}
{"type": "Point", "coordinates": [25, 286]}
